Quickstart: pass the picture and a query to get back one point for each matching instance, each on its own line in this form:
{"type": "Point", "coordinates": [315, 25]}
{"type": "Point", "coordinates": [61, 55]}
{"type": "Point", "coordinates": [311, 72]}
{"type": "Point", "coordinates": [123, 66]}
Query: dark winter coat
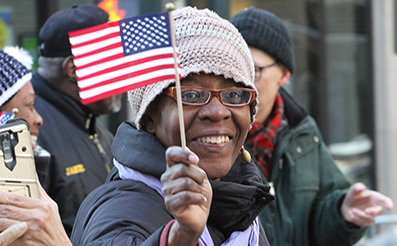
{"type": "Point", "coordinates": [309, 187]}
{"type": "Point", "coordinates": [128, 212]}
{"type": "Point", "coordinates": [77, 166]}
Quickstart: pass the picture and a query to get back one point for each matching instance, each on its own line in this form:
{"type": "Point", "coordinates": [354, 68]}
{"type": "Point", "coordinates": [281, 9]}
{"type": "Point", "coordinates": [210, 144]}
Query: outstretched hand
{"type": "Point", "coordinates": [187, 195]}
{"type": "Point", "coordinates": [361, 206]}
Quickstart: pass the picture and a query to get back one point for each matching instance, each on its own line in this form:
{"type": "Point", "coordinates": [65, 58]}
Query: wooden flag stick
{"type": "Point", "coordinates": [170, 7]}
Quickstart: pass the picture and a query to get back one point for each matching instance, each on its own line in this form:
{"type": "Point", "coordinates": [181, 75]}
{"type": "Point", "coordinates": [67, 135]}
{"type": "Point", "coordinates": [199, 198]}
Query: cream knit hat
{"type": "Point", "coordinates": [206, 43]}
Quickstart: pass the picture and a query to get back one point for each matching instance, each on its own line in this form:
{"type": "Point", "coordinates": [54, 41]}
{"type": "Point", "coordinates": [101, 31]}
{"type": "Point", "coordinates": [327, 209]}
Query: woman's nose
{"type": "Point", "coordinates": [214, 111]}
{"type": "Point", "coordinates": [38, 120]}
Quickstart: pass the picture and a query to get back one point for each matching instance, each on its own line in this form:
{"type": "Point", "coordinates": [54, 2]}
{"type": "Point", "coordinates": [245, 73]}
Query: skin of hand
{"type": "Point", "coordinates": [187, 194]}
{"type": "Point", "coordinates": [361, 206]}
{"type": "Point", "coordinates": [44, 226]}
{"type": "Point", "coordinates": [12, 233]}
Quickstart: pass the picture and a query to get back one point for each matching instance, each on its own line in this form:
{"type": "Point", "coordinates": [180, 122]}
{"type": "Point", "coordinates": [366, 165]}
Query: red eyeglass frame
{"type": "Point", "coordinates": [171, 91]}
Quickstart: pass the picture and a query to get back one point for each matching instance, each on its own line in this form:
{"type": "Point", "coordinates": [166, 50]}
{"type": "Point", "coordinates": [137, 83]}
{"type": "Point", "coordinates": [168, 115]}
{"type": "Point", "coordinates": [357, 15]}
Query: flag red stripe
{"type": "Point", "coordinates": [124, 65]}
{"type": "Point", "coordinates": [94, 52]}
{"type": "Point", "coordinates": [125, 89]}
{"type": "Point", "coordinates": [94, 63]}
{"type": "Point", "coordinates": [93, 29]}
{"type": "Point", "coordinates": [100, 39]}
{"type": "Point", "coordinates": [126, 76]}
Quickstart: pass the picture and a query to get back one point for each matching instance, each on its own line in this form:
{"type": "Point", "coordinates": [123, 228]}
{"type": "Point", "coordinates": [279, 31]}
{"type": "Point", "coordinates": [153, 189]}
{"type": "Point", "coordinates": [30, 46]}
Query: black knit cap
{"type": "Point", "coordinates": [265, 31]}
{"type": "Point", "coordinates": [54, 34]}
{"type": "Point", "coordinates": [13, 76]}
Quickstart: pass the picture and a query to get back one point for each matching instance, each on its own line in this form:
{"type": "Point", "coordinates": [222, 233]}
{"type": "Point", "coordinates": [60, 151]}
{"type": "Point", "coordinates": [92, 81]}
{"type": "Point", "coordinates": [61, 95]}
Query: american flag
{"type": "Point", "coordinates": [119, 56]}
{"type": "Point", "coordinates": [5, 116]}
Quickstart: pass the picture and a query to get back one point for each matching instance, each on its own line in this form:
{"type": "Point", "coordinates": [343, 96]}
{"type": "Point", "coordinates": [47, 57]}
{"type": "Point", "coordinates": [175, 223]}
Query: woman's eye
{"type": "Point", "coordinates": [190, 96]}
{"type": "Point", "coordinates": [234, 94]}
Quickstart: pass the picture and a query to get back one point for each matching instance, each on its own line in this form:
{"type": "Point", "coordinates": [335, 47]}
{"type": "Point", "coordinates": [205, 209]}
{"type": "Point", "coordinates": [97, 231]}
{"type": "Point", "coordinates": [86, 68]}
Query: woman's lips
{"type": "Point", "coordinates": [214, 139]}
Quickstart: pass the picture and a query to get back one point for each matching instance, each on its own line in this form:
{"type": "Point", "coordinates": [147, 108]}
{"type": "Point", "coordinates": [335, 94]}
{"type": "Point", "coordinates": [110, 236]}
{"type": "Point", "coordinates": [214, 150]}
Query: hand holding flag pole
{"type": "Point", "coordinates": [170, 7]}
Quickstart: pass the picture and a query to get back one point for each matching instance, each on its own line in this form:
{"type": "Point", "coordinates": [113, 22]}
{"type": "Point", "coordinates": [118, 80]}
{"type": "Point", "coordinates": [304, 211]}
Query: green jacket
{"type": "Point", "coordinates": [309, 187]}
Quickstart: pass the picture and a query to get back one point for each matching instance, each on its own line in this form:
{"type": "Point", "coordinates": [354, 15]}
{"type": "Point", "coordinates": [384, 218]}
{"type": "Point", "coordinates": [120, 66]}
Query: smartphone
{"type": "Point", "coordinates": [17, 166]}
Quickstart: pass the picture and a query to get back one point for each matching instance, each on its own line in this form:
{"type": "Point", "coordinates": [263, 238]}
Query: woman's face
{"type": "Point", "coordinates": [24, 101]}
{"type": "Point", "coordinates": [207, 127]}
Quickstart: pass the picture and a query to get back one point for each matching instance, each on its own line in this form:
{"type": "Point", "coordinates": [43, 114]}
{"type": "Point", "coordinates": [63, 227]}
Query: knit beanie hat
{"type": "Point", "coordinates": [20, 55]}
{"type": "Point", "coordinates": [13, 76]}
{"type": "Point", "coordinates": [206, 43]}
{"type": "Point", "coordinates": [54, 35]}
{"type": "Point", "coordinates": [265, 31]}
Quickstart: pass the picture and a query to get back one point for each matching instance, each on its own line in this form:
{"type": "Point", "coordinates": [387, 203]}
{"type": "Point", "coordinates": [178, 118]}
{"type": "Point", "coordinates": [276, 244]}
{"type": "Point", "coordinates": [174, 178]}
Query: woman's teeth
{"type": "Point", "coordinates": [218, 140]}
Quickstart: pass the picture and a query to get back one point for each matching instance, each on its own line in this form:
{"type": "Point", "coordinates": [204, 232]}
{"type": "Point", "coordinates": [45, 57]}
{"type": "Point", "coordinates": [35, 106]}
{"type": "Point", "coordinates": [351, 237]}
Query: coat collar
{"type": "Point", "coordinates": [238, 197]}
{"type": "Point", "coordinates": [77, 112]}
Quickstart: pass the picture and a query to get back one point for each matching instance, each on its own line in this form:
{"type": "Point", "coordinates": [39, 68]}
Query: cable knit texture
{"type": "Point", "coordinates": [206, 43]}
{"type": "Point", "coordinates": [266, 31]}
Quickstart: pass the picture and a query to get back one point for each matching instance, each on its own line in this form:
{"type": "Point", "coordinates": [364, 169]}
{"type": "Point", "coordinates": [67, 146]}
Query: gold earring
{"type": "Point", "coordinates": [245, 155]}
{"type": "Point", "coordinates": [15, 111]}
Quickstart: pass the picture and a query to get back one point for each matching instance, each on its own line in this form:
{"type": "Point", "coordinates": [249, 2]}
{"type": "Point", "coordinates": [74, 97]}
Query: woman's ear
{"type": "Point", "coordinates": [151, 117]}
{"type": "Point", "coordinates": [150, 127]}
{"type": "Point", "coordinates": [285, 76]}
{"type": "Point", "coordinates": [148, 121]}
{"type": "Point", "coordinates": [68, 68]}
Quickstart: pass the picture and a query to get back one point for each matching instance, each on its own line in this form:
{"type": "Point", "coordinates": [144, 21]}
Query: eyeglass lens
{"type": "Point", "coordinates": [228, 97]}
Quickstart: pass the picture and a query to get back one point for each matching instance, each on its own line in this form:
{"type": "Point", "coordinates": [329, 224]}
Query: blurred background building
{"type": "Point", "coordinates": [346, 68]}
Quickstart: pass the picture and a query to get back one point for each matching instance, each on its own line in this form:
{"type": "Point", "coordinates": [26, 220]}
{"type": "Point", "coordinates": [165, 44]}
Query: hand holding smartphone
{"type": "Point", "coordinates": [17, 166]}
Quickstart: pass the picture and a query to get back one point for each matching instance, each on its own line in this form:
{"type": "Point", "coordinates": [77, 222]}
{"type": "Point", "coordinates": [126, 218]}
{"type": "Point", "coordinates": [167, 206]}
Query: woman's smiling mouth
{"type": "Point", "coordinates": [214, 139]}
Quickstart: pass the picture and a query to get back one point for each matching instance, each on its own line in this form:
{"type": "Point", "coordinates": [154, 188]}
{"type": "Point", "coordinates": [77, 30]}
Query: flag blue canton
{"type": "Point", "coordinates": [145, 32]}
{"type": "Point", "coordinates": [4, 117]}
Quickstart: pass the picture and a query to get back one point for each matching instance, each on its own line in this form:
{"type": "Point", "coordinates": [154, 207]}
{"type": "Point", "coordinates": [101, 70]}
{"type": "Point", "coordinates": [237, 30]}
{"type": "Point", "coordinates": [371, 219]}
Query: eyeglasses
{"type": "Point", "coordinates": [197, 96]}
{"type": "Point", "coordinates": [258, 70]}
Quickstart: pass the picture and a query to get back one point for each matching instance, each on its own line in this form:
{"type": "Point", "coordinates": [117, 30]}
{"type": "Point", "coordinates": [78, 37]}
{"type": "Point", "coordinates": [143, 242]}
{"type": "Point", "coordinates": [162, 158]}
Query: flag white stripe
{"type": "Point", "coordinates": [95, 46]}
{"type": "Point", "coordinates": [89, 59]}
{"type": "Point", "coordinates": [103, 77]}
{"type": "Point", "coordinates": [105, 88]}
{"type": "Point", "coordinates": [96, 68]}
{"type": "Point", "coordinates": [93, 35]}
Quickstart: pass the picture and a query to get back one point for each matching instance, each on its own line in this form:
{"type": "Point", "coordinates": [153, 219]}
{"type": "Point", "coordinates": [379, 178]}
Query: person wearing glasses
{"type": "Point", "coordinates": [315, 204]}
{"type": "Point", "coordinates": [159, 193]}
{"type": "Point", "coordinates": [162, 194]}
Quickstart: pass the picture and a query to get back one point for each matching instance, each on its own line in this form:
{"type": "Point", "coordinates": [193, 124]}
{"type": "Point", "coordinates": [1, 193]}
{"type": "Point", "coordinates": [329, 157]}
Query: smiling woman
{"type": "Point", "coordinates": [162, 194]}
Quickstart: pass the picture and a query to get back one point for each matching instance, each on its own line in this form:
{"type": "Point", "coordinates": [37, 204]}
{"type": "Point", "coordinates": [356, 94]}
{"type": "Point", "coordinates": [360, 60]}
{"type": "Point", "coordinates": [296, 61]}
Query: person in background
{"type": "Point", "coordinates": [18, 98]}
{"type": "Point", "coordinates": [17, 93]}
{"type": "Point", "coordinates": [41, 156]}
{"type": "Point", "coordinates": [315, 204]}
{"type": "Point", "coordinates": [78, 142]}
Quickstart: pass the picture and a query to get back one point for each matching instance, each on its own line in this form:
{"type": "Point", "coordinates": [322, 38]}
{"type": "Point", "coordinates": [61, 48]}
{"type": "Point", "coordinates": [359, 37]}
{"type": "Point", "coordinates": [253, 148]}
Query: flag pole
{"type": "Point", "coordinates": [170, 7]}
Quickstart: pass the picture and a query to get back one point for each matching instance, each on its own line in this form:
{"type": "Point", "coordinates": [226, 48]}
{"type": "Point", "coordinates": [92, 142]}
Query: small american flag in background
{"type": "Point", "coordinates": [119, 56]}
{"type": "Point", "coordinates": [5, 116]}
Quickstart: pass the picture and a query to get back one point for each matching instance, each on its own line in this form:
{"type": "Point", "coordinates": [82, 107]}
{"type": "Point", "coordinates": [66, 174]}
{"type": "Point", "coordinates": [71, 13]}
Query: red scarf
{"type": "Point", "coordinates": [261, 137]}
